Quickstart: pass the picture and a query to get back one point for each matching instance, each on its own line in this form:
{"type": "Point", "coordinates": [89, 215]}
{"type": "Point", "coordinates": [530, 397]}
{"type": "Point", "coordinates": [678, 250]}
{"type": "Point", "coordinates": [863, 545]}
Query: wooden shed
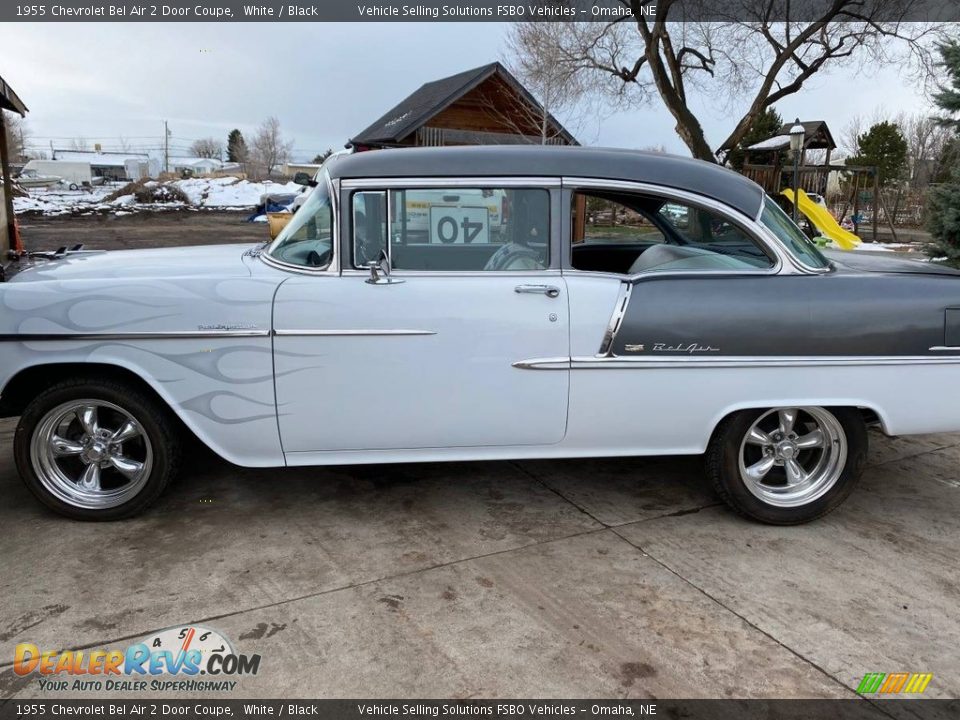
{"type": "Point", "coordinates": [483, 106]}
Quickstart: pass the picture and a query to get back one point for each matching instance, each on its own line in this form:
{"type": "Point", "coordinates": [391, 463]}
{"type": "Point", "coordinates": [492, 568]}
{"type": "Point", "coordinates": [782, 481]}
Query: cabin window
{"type": "Point", "coordinates": [453, 229]}
{"type": "Point", "coordinates": [628, 233]}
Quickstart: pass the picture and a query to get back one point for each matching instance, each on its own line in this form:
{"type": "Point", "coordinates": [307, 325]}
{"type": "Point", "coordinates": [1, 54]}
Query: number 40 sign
{"type": "Point", "coordinates": [459, 225]}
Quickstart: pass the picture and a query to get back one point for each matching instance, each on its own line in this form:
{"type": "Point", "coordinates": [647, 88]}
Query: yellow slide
{"type": "Point", "coordinates": [823, 221]}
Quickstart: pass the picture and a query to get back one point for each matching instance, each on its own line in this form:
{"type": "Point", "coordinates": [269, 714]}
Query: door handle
{"type": "Point", "coordinates": [550, 291]}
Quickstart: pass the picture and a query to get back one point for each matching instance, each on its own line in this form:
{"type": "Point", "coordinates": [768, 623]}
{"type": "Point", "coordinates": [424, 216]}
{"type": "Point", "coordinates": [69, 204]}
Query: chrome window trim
{"type": "Point", "coordinates": [353, 227]}
{"type": "Point", "coordinates": [797, 262]}
{"type": "Point", "coordinates": [439, 182]}
{"type": "Point", "coordinates": [733, 361]}
{"type": "Point", "coordinates": [333, 267]}
{"type": "Point", "coordinates": [782, 259]}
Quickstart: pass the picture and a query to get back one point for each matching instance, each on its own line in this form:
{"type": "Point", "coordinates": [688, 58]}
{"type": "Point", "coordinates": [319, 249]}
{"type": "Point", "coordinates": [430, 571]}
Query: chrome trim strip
{"type": "Point", "coordinates": [616, 318]}
{"type": "Point", "coordinates": [637, 363]}
{"type": "Point", "coordinates": [349, 333]}
{"type": "Point", "coordinates": [440, 182]}
{"type": "Point", "coordinates": [945, 348]}
{"type": "Point", "coordinates": [173, 335]}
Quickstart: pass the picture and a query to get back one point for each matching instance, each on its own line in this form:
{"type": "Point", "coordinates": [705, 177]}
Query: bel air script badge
{"type": "Point", "coordinates": [687, 348]}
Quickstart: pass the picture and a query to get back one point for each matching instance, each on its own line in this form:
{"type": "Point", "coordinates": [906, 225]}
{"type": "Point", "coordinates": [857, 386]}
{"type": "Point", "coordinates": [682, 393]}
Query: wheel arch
{"type": "Point", "coordinates": [29, 381]}
{"type": "Point", "coordinates": [871, 414]}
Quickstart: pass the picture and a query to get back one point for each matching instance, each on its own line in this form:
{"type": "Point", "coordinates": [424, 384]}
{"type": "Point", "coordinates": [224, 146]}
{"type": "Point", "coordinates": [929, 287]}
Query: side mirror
{"type": "Point", "coordinates": [302, 178]}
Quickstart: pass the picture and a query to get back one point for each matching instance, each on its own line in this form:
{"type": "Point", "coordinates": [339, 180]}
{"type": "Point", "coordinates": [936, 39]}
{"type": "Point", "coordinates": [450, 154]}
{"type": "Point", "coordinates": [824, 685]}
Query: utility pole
{"type": "Point", "coordinates": [166, 147]}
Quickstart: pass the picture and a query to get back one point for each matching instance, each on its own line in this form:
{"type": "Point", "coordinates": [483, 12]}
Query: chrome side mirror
{"type": "Point", "coordinates": [380, 272]}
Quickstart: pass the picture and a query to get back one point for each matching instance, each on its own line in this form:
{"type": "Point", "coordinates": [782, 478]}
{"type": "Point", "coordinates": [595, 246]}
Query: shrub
{"type": "Point", "coordinates": [943, 219]}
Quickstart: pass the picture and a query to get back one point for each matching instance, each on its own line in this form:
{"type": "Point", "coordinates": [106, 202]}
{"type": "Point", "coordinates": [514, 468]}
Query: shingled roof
{"type": "Point", "coordinates": [9, 99]}
{"type": "Point", "coordinates": [417, 109]}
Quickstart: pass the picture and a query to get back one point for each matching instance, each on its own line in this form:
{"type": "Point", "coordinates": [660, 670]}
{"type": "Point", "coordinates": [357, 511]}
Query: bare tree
{"type": "Point", "coordinates": [207, 147]}
{"type": "Point", "coordinates": [556, 86]}
{"type": "Point", "coordinates": [79, 143]}
{"type": "Point", "coordinates": [927, 146]}
{"type": "Point", "coordinates": [17, 135]}
{"type": "Point", "coordinates": [746, 64]}
{"type": "Point", "coordinates": [269, 150]}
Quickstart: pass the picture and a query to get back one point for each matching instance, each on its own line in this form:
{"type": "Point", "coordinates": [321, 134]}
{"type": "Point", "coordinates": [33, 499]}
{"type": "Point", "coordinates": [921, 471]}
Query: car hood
{"type": "Point", "coordinates": [220, 261]}
{"type": "Point", "coordinates": [885, 262]}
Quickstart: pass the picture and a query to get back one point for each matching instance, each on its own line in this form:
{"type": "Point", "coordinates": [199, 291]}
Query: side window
{"type": "Point", "coordinates": [632, 233]}
{"type": "Point", "coordinates": [369, 223]}
{"type": "Point", "coordinates": [453, 229]}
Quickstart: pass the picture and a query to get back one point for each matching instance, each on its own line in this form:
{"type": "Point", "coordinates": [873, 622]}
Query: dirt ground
{"type": "Point", "coordinates": [142, 230]}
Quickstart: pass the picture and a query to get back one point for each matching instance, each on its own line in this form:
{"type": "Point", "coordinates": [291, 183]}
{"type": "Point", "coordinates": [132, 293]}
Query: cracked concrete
{"type": "Point", "coordinates": [580, 578]}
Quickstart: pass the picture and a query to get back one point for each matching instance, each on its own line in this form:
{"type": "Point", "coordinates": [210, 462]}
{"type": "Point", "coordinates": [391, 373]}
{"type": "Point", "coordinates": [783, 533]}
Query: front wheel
{"type": "Point", "coordinates": [96, 449]}
{"type": "Point", "coordinates": [786, 466]}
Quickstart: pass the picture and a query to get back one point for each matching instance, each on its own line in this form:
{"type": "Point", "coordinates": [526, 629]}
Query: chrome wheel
{"type": "Point", "coordinates": [792, 456]}
{"type": "Point", "coordinates": [91, 454]}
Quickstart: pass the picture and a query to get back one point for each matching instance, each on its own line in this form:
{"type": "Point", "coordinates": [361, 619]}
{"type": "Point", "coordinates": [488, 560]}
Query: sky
{"type": "Point", "coordinates": [325, 82]}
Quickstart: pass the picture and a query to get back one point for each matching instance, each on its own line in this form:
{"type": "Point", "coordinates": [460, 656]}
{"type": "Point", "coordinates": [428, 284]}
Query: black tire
{"type": "Point", "coordinates": [154, 418]}
{"type": "Point", "coordinates": [723, 468]}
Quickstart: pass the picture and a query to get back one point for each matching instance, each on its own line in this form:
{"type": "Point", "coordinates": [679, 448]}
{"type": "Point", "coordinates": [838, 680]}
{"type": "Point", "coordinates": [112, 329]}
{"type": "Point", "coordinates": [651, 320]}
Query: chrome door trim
{"type": "Point", "coordinates": [616, 318]}
{"type": "Point", "coordinates": [636, 363]}
{"type": "Point", "coordinates": [160, 335]}
{"type": "Point", "coordinates": [945, 348]}
{"type": "Point", "coordinates": [350, 333]}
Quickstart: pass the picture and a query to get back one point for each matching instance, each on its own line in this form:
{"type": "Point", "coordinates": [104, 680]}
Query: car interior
{"type": "Point", "coordinates": [631, 233]}
{"type": "Point", "coordinates": [462, 229]}
{"type": "Point", "coordinates": [490, 229]}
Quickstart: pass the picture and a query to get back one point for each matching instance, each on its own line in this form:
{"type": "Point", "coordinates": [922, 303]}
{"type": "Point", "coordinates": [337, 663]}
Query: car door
{"type": "Point", "coordinates": [421, 353]}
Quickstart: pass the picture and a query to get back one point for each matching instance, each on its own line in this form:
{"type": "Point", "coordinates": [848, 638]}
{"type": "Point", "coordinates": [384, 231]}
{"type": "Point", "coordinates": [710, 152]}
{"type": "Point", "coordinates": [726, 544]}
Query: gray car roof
{"type": "Point", "coordinates": [695, 176]}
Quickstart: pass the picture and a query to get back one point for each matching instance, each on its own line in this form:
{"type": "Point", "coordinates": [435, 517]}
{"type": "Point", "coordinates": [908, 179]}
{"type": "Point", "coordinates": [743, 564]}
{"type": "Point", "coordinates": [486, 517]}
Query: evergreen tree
{"type": "Point", "coordinates": [237, 147]}
{"type": "Point", "coordinates": [320, 158]}
{"type": "Point", "coordinates": [765, 126]}
{"type": "Point", "coordinates": [948, 97]}
{"type": "Point", "coordinates": [883, 146]}
{"type": "Point", "coordinates": [943, 202]}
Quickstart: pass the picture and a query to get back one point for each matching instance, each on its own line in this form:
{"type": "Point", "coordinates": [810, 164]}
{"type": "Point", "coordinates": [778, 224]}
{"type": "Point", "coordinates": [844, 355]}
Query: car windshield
{"type": "Point", "coordinates": [786, 230]}
{"type": "Point", "coordinates": [306, 239]}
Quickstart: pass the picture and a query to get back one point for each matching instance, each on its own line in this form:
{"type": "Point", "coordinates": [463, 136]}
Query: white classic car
{"type": "Point", "coordinates": [619, 303]}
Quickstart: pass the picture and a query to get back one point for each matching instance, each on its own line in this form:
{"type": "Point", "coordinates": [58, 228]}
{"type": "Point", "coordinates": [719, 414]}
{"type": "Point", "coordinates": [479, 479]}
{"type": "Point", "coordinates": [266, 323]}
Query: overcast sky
{"type": "Point", "coordinates": [325, 82]}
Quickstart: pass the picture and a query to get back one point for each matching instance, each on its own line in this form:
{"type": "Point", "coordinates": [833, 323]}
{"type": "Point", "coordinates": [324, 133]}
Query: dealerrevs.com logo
{"type": "Point", "coordinates": [189, 658]}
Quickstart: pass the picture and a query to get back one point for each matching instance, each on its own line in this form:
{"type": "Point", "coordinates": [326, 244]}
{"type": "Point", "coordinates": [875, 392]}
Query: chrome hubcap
{"type": "Point", "coordinates": [91, 454]}
{"type": "Point", "coordinates": [792, 456]}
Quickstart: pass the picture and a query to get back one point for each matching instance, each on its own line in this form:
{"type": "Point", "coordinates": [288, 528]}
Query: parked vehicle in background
{"type": "Point", "coordinates": [30, 178]}
{"type": "Point", "coordinates": [623, 304]}
{"type": "Point", "coordinates": [74, 174]}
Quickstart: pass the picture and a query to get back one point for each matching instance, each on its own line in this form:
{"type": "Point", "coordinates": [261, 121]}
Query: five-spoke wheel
{"type": "Point", "coordinates": [96, 449]}
{"type": "Point", "coordinates": [91, 453]}
{"type": "Point", "coordinates": [787, 465]}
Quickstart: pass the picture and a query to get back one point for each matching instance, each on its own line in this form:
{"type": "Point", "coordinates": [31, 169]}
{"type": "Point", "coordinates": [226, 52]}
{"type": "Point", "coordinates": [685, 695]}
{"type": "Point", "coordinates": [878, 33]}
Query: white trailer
{"type": "Point", "coordinates": [74, 174]}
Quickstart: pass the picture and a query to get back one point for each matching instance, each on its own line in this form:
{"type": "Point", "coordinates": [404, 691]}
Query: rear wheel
{"type": "Point", "coordinates": [96, 449]}
{"type": "Point", "coordinates": [787, 465]}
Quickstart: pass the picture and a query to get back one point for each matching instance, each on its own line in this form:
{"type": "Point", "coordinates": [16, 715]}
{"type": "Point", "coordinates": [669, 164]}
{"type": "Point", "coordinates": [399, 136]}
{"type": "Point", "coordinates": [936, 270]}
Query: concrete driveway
{"type": "Point", "coordinates": [586, 578]}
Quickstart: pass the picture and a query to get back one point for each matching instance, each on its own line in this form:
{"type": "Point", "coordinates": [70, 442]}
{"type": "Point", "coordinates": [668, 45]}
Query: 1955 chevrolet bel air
{"type": "Point", "coordinates": [483, 303]}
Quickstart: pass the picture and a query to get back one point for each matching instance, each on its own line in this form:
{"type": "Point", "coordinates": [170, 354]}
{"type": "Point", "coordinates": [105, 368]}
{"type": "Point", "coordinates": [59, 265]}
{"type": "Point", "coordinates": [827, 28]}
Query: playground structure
{"type": "Point", "coordinates": [853, 185]}
{"type": "Point", "coordinates": [822, 220]}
